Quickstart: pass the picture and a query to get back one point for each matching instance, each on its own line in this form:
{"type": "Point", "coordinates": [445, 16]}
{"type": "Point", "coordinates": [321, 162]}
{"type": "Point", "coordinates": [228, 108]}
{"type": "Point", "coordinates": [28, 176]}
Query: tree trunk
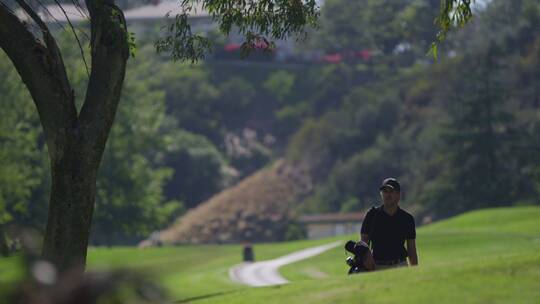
{"type": "Point", "coordinates": [4, 249]}
{"type": "Point", "coordinates": [75, 141]}
{"type": "Point", "coordinates": [73, 189]}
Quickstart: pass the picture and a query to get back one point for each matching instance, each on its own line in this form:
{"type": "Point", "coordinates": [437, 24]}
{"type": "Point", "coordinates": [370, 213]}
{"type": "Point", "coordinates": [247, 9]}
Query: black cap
{"type": "Point", "coordinates": [391, 183]}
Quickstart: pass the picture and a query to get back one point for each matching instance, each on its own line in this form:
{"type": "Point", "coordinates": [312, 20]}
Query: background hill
{"type": "Point", "coordinates": [358, 101]}
{"type": "Point", "coordinates": [259, 208]}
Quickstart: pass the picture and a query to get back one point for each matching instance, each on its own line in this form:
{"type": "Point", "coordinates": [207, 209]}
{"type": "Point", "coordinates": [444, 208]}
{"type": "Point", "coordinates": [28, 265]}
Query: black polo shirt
{"type": "Point", "coordinates": [387, 233]}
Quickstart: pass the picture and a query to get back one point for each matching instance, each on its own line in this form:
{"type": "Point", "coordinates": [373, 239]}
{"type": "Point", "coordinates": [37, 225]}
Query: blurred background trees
{"type": "Point", "coordinates": [460, 133]}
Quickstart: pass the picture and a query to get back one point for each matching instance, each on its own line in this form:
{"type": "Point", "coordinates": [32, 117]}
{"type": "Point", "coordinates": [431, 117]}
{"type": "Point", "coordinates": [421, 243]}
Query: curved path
{"type": "Point", "coordinates": [266, 273]}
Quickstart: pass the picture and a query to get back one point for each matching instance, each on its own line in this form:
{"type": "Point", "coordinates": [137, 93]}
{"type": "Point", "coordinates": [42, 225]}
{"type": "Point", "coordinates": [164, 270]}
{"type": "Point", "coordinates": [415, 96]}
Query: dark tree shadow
{"type": "Point", "coordinates": [210, 295]}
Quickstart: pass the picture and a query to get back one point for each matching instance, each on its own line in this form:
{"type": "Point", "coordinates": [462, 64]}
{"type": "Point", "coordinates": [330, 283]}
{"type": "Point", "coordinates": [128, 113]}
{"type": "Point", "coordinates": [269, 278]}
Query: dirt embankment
{"type": "Point", "coordinates": [256, 209]}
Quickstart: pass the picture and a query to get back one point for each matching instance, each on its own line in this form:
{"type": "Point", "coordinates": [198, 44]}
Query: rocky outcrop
{"type": "Point", "coordinates": [256, 209]}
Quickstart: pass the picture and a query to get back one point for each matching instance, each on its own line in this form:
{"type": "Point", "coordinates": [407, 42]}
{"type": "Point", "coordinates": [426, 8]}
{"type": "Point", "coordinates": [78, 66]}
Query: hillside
{"type": "Point", "coordinates": [256, 209]}
{"type": "Point", "coordinates": [485, 256]}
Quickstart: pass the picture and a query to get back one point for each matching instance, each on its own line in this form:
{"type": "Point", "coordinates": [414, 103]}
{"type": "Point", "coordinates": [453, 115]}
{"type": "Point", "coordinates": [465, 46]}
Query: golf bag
{"type": "Point", "coordinates": [356, 261]}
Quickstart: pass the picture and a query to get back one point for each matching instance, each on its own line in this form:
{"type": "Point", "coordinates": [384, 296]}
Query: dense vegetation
{"type": "Point", "coordinates": [460, 133]}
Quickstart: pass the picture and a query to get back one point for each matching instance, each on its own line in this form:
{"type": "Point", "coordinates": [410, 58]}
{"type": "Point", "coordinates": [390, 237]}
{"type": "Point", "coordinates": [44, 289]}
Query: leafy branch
{"type": "Point", "coordinates": [453, 14]}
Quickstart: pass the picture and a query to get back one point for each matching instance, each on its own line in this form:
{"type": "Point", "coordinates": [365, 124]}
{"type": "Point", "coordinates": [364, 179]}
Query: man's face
{"type": "Point", "coordinates": [389, 196]}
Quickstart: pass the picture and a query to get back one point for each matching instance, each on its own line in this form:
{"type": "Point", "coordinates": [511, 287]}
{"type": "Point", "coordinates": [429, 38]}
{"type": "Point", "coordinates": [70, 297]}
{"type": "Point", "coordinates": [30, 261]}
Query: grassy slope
{"type": "Point", "coordinates": [485, 256]}
{"type": "Point", "coordinates": [186, 271]}
{"type": "Point", "coordinates": [480, 257]}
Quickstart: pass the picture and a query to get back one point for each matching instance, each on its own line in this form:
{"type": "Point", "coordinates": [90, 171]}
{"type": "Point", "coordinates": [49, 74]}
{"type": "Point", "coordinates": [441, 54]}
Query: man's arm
{"type": "Point", "coordinates": [364, 237]}
{"type": "Point", "coordinates": [411, 250]}
{"type": "Point", "coordinates": [368, 261]}
{"type": "Point", "coordinates": [366, 226]}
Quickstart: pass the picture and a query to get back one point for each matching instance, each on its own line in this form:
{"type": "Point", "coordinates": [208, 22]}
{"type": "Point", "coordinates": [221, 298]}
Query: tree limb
{"type": "Point", "coordinates": [50, 42]}
{"type": "Point", "coordinates": [74, 34]}
{"type": "Point", "coordinates": [42, 71]}
{"type": "Point", "coordinates": [33, 15]}
{"type": "Point", "coordinates": [109, 51]}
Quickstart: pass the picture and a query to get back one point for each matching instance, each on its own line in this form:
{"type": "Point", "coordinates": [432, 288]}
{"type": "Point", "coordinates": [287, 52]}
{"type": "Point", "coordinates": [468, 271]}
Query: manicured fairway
{"type": "Point", "coordinates": [488, 256]}
{"type": "Point", "coordinates": [480, 257]}
{"type": "Point", "coordinates": [185, 271]}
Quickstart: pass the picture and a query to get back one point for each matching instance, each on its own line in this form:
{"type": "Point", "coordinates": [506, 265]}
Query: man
{"type": "Point", "coordinates": [388, 227]}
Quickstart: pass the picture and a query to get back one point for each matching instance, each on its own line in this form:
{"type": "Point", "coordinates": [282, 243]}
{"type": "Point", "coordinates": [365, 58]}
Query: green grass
{"type": "Point", "coordinates": [185, 271]}
{"type": "Point", "coordinates": [480, 257]}
{"type": "Point", "coordinates": [484, 256]}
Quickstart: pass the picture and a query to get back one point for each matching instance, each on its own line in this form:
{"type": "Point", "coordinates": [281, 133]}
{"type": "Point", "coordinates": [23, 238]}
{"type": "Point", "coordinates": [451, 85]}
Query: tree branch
{"type": "Point", "coordinates": [109, 51]}
{"type": "Point", "coordinates": [74, 34]}
{"type": "Point", "coordinates": [33, 15]}
{"type": "Point", "coordinates": [50, 42]}
{"type": "Point", "coordinates": [42, 71]}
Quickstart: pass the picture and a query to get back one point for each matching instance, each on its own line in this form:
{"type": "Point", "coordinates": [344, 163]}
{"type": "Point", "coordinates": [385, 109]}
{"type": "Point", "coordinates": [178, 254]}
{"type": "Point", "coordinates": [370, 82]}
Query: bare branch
{"type": "Point", "coordinates": [7, 8]}
{"type": "Point", "coordinates": [76, 37]}
{"type": "Point", "coordinates": [43, 73]}
{"type": "Point", "coordinates": [33, 15]}
{"type": "Point", "coordinates": [50, 14]}
{"type": "Point", "coordinates": [80, 9]}
{"type": "Point", "coordinates": [50, 42]}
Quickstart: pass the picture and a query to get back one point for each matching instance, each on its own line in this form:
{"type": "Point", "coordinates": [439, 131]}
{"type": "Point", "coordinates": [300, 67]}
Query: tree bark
{"type": "Point", "coordinates": [4, 249]}
{"type": "Point", "coordinates": [73, 189]}
{"type": "Point", "coordinates": [75, 141]}
{"type": "Point", "coordinates": [74, 174]}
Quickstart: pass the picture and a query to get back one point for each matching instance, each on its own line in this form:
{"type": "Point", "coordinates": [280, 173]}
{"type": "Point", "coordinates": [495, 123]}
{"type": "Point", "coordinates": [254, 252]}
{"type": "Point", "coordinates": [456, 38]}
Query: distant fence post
{"type": "Point", "coordinates": [247, 253]}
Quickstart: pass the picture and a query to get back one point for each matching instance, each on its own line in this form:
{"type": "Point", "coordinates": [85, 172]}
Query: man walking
{"type": "Point", "coordinates": [388, 227]}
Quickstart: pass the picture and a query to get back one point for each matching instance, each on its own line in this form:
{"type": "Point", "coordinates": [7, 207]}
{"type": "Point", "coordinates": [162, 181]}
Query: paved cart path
{"type": "Point", "coordinates": [265, 273]}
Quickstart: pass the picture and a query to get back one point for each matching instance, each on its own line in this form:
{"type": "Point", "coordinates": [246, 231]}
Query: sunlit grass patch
{"type": "Point", "coordinates": [486, 256]}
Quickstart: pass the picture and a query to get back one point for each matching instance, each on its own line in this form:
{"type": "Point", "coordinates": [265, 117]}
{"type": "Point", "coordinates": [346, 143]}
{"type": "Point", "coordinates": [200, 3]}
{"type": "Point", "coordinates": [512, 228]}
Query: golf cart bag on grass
{"type": "Point", "coordinates": [356, 262]}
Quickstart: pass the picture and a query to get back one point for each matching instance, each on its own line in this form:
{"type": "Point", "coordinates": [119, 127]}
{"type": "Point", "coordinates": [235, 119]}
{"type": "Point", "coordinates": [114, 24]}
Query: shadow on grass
{"type": "Point", "coordinates": [210, 295]}
{"type": "Point", "coordinates": [215, 294]}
